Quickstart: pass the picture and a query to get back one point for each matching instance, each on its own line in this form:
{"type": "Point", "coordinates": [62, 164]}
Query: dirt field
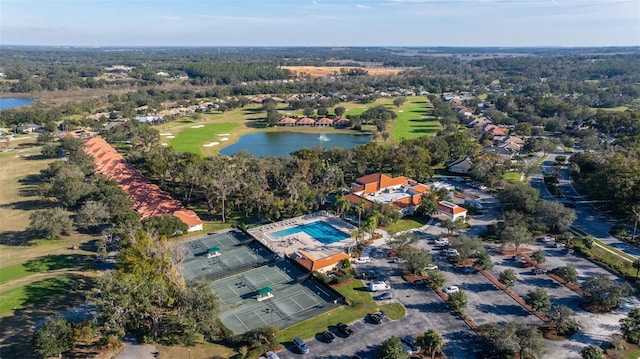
{"type": "Point", "coordinates": [323, 71]}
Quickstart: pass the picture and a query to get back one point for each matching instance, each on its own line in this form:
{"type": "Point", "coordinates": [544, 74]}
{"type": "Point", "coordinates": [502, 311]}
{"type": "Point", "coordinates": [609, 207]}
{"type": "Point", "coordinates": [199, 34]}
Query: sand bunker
{"type": "Point", "coordinates": [165, 133]}
{"type": "Point", "coordinates": [224, 139]}
{"type": "Point", "coordinates": [164, 144]}
{"type": "Point", "coordinates": [224, 134]}
{"type": "Point", "coordinates": [171, 136]}
{"type": "Point", "coordinates": [400, 110]}
{"type": "Point", "coordinates": [211, 144]}
{"type": "Point", "coordinates": [197, 126]}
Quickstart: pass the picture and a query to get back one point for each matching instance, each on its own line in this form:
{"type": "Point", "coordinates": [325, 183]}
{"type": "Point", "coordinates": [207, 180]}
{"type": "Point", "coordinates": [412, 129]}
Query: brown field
{"type": "Point", "coordinates": [323, 71]}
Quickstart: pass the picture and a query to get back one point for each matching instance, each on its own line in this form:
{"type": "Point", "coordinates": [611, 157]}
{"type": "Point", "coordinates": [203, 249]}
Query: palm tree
{"type": "Point", "coordinates": [341, 204]}
{"type": "Point", "coordinates": [635, 216]}
{"type": "Point", "coordinates": [431, 342]}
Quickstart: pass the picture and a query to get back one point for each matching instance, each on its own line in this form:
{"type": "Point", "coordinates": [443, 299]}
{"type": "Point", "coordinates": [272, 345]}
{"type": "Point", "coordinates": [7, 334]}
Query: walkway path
{"type": "Point", "coordinates": [134, 350]}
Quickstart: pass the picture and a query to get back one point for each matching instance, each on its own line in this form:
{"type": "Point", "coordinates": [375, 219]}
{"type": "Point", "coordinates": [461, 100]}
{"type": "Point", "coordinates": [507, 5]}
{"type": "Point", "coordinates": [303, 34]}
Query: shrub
{"type": "Point", "coordinates": [53, 338]}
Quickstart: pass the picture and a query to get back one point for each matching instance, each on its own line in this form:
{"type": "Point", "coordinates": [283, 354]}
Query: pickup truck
{"type": "Point", "coordinates": [345, 329]}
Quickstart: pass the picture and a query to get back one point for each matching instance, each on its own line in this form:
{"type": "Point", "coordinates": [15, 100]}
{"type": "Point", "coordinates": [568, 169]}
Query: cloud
{"type": "Point", "coordinates": [360, 6]}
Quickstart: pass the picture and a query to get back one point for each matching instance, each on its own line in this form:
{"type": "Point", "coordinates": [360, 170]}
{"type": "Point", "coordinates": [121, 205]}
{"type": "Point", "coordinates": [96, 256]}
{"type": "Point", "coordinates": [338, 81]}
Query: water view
{"type": "Point", "coordinates": [264, 144]}
{"type": "Point", "coordinates": [6, 103]}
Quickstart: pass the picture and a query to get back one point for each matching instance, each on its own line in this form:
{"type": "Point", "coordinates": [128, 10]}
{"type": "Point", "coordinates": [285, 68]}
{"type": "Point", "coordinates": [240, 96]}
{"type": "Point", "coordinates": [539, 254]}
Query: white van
{"type": "Point", "coordinates": [378, 285]}
{"type": "Point", "coordinates": [362, 260]}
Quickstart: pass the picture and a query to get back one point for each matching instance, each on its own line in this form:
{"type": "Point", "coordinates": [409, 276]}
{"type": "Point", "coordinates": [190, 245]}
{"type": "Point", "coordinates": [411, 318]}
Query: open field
{"type": "Point", "coordinates": [324, 71]}
{"type": "Point", "coordinates": [201, 351]}
{"type": "Point", "coordinates": [192, 139]}
{"type": "Point", "coordinates": [414, 119]}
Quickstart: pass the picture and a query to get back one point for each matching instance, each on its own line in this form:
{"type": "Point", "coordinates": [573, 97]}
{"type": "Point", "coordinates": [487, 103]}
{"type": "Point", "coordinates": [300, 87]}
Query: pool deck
{"type": "Point", "coordinates": [302, 241]}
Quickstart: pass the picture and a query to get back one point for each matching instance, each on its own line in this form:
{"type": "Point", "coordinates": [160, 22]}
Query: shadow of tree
{"type": "Point", "coordinates": [15, 238]}
{"type": "Point", "coordinates": [42, 299]}
{"type": "Point", "coordinates": [58, 261]}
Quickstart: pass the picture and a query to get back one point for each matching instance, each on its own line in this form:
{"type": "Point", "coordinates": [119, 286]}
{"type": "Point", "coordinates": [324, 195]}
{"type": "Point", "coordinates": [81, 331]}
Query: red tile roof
{"type": "Point", "coordinates": [306, 121]}
{"type": "Point", "coordinates": [377, 181]}
{"type": "Point", "coordinates": [312, 264]}
{"type": "Point", "coordinates": [287, 121]}
{"type": "Point", "coordinates": [149, 200]}
{"type": "Point", "coordinates": [324, 121]}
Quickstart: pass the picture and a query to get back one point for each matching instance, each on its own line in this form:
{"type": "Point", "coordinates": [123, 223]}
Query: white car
{"type": "Point", "coordinates": [272, 355]}
{"type": "Point", "coordinates": [560, 245]}
{"type": "Point", "coordinates": [431, 267]}
{"type": "Point", "coordinates": [362, 260]}
{"type": "Point", "coordinates": [547, 239]}
{"type": "Point", "coordinates": [451, 289]}
{"type": "Point", "coordinates": [399, 260]}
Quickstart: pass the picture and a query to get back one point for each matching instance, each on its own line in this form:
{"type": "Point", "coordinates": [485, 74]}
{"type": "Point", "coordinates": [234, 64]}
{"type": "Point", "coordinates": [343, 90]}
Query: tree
{"type": "Point", "coordinates": [466, 246]}
{"type": "Point", "coordinates": [50, 223]}
{"type": "Point", "coordinates": [436, 279]}
{"type": "Point", "coordinates": [402, 242]}
{"type": "Point", "coordinates": [483, 260]}
{"type": "Point", "coordinates": [508, 277]}
{"type": "Point", "coordinates": [604, 292]}
{"type": "Point", "coordinates": [91, 214]}
{"type": "Point", "coordinates": [630, 326]}
{"type": "Point", "coordinates": [45, 137]}
{"type": "Point", "coordinates": [53, 338]}
{"type": "Point", "coordinates": [520, 197]}
{"type": "Point", "coordinates": [308, 111]}
{"type": "Point", "coordinates": [568, 273]}
{"type": "Point", "coordinates": [50, 150]}
{"type": "Point", "coordinates": [431, 342]}
{"type": "Point", "coordinates": [636, 265]}
{"type": "Point", "coordinates": [635, 216]}
{"type": "Point", "coordinates": [592, 352]}
{"type": "Point", "coordinates": [398, 101]}
{"type": "Point", "coordinates": [166, 225]}
{"type": "Point", "coordinates": [516, 235]}
{"type": "Point", "coordinates": [417, 260]}
{"type": "Point", "coordinates": [538, 256]}
{"type": "Point", "coordinates": [538, 299]}
{"type": "Point", "coordinates": [339, 111]}
{"type": "Point", "coordinates": [428, 204]}
{"type": "Point", "coordinates": [392, 349]}
{"type": "Point", "coordinates": [555, 215]}
{"type": "Point", "coordinates": [560, 317]}
{"type": "Point", "coordinates": [527, 340]}
{"type": "Point", "coordinates": [458, 300]}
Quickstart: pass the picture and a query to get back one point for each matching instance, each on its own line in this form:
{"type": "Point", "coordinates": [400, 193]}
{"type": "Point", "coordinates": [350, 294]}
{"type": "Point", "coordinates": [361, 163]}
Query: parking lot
{"type": "Point", "coordinates": [425, 310]}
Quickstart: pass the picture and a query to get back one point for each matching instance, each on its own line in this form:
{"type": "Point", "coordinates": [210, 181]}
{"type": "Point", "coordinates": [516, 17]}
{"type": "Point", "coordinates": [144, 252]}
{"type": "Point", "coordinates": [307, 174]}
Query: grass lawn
{"type": "Point", "coordinates": [414, 119]}
{"type": "Point", "coordinates": [512, 176]}
{"type": "Point", "coordinates": [40, 265]}
{"type": "Point", "coordinates": [611, 109]}
{"type": "Point", "coordinates": [360, 301]}
{"type": "Point", "coordinates": [191, 139]}
{"type": "Point", "coordinates": [394, 311]}
{"type": "Point", "coordinates": [32, 293]}
{"type": "Point", "coordinates": [406, 223]}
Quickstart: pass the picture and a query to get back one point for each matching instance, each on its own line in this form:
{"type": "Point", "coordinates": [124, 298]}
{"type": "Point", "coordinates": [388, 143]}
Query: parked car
{"type": "Point", "coordinates": [431, 267]}
{"type": "Point", "coordinates": [362, 260]}
{"type": "Point", "coordinates": [441, 242]}
{"type": "Point", "coordinates": [406, 346]}
{"type": "Point", "coordinates": [412, 343]}
{"type": "Point", "coordinates": [547, 239]}
{"type": "Point", "coordinates": [469, 269]}
{"type": "Point", "coordinates": [420, 282]}
{"type": "Point", "coordinates": [301, 345]}
{"type": "Point", "coordinates": [375, 318]}
{"type": "Point", "coordinates": [526, 265]}
{"type": "Point", "coordinates": [328, 337]}
{"type": "Point", "coordinates": [345, 329]}
{"type": "Point", "coordinates": [517, 258]}
{"type": "Point", "coordinates": [560, 245]}
{"type": "Point", "coordinates": [451, 252]}
{"type": "Point", "coordinates": [271, 355]}
{"type": "Point", "coordinates": [451, 289]}
{"type": "Point", "coordinates": [399, 260]}
{"type": "Point", "coordinates": [383, 296]}
{"type": "Point", "coordinates": [536, 271]}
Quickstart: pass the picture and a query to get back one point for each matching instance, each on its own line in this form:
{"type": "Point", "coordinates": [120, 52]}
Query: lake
{"type": "Point", "coordinates": [6, 103]}
{"type": "Point", "coordinates": [264, 144]}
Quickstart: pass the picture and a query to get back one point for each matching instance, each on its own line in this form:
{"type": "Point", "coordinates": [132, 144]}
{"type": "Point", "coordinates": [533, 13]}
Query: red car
{"type": "Point", "coordinates": [526, 265]}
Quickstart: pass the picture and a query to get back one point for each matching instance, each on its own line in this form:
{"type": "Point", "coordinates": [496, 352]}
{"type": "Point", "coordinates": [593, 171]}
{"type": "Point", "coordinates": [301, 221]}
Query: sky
{"type": "Point", "coordinates": [467, 23]}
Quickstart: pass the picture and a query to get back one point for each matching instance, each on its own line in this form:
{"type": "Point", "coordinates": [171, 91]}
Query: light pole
{"type": "Point", "coordinates": [189, 350]}
{"type": "Point", "coordinates": [329, 318]}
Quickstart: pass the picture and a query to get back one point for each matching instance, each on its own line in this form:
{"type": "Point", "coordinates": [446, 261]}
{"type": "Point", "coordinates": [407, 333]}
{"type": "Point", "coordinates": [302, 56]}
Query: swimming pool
{"type": "Point", "coordinates": [321, 231]}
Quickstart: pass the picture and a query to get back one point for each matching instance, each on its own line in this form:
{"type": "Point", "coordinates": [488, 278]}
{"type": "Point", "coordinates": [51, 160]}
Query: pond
{"type": "Point", "coordinates": [6, 103]}
{"type": "Point", "coordinates": [264, 144]}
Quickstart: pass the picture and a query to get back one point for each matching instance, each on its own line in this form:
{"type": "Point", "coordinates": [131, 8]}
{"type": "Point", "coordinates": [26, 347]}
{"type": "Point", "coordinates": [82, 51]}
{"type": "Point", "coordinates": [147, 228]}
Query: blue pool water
{"type": "Point", "coordinates": [321, 231]}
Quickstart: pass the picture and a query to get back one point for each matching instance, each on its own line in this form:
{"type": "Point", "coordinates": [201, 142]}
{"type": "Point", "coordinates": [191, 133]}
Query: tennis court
{"type": "Point", "coordinates": [292, 301]}
{"type": "Point", "coordinates": [237, 254]}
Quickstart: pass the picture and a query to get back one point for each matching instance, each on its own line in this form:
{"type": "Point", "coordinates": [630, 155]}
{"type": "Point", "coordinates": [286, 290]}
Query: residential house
{"type": "Point", "coordinates": [306, 121]}
{"type": "Point", "coordinates": [462, 165]}
{"type": "Point", "coordinates": [324, 122]}
{"type": "Point", "coordinates": [30, 128]}
{"type": "Point", "coordinates": [342, 122]}
{"type": "Point", "coordinates": [287, 121]}
{"type": "Point", "coordinates": [450, 211]}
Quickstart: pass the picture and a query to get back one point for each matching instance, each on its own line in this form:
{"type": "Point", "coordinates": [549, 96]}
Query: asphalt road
{"type": "Point", "coordinates": [590, 219]}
